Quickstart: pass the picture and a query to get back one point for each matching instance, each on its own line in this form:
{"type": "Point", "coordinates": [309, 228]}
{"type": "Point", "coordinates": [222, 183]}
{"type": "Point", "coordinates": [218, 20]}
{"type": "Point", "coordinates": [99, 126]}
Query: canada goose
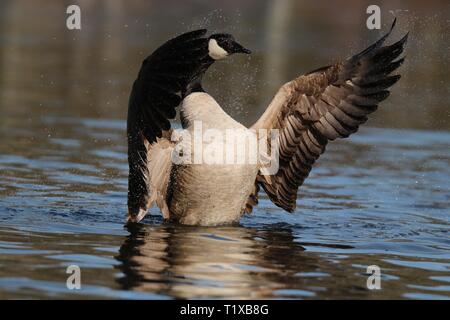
{"type": "Point", "coordinates": [309, 111]}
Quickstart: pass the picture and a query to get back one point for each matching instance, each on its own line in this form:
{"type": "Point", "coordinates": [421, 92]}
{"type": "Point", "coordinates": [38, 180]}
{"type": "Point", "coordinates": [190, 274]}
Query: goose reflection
{"type": "Point", "coordinates": [226, 262]}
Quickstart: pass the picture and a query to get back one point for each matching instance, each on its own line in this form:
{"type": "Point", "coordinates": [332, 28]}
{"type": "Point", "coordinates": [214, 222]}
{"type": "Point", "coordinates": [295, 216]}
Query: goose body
{"type": "Point", "coordinates": [307, 112]}
{"type": "Point", "coordinates": [209, 193]}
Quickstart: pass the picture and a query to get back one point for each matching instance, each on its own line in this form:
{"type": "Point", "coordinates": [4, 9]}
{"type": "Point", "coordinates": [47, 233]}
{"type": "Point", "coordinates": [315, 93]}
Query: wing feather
{"type": "Point", "coordinates": [321, 106]}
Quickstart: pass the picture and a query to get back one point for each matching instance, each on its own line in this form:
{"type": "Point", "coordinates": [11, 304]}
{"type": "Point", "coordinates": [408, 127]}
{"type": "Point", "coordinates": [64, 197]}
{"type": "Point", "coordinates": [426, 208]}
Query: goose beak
{"type": "Point", "coordinates": [237, 48]}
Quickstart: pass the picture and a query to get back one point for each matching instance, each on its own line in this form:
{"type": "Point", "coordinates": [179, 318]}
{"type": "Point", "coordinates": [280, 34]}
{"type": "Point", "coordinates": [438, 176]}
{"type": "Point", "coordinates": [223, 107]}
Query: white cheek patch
{"type": "Point", "coordinates": [215, 51]}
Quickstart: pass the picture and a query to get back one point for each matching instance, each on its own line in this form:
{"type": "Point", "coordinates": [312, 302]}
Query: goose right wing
{"type": "Point", "coordinates": [326, 104]}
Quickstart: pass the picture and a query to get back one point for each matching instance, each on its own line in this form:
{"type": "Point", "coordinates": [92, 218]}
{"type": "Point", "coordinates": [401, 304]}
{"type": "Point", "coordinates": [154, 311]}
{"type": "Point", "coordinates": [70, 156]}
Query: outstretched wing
{"type": "Point", "coordinates": [329, 103]}
{"type": "Point", "coordinates": [162, 80]}
{"type": "Point", "coordinates": [159, 88]}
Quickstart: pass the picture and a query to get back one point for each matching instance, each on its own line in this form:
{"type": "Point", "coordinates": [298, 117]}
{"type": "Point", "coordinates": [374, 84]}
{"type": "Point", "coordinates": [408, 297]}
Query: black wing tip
{"type": "Point", "coordinates": [192, 34]}
{"type": "Point", "coordinates": [370, 49]}
{"type": "Point", "coordinates": [183, 38]}
{"type": "Point", "coordinates": [202, 31]}
{"type": "Point", "coordinates": [383, 38]}
{"type": "Point", "coordinates": [286, 206]}
{"type": "Point", "coordinates": [290, 209]}
{"type": "Point", "coordinates": [395, 79]}
{"type": "Point", "coordinates": [404, 39]}
{"type": "Point", "coordinates": [393, 24]}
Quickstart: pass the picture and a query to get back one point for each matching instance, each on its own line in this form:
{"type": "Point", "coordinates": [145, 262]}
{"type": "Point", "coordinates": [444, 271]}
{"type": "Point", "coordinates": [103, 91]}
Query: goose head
{"type": "Point", "coordinates": [221, 45]}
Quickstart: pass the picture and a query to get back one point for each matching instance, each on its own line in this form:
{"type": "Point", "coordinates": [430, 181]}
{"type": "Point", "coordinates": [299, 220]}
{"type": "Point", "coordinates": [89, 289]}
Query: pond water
{"type": "Point", "coordinates": [380, 198]}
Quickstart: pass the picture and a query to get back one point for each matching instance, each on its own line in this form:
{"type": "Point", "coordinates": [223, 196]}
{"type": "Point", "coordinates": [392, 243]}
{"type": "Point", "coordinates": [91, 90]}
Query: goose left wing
{"type": "Point", "coordinates": [162, 82]}
{"type": "Point", "coordinates": [326, 104]}
{"type": "Point", "coordinates": [157, 175]}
